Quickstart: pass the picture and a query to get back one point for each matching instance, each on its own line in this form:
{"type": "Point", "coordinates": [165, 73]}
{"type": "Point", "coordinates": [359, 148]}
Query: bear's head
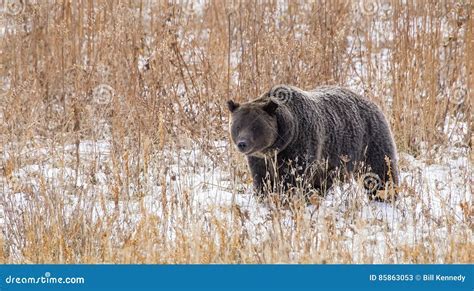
{"type": "Point", "coordinates": [254, 126]}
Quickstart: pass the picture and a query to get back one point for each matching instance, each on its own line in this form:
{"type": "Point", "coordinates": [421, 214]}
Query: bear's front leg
{"type": "Point", "coordinates": [260, 174]}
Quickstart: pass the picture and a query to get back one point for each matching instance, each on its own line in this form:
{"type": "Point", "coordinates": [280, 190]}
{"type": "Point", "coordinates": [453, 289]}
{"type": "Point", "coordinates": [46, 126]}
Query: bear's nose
{"type": "Point", "coordinates": [242, 145]}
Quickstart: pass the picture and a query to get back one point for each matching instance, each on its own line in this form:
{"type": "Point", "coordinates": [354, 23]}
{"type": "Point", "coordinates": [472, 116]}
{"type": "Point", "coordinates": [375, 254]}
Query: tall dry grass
{"type": "Point", "coordinates": [145, 82]}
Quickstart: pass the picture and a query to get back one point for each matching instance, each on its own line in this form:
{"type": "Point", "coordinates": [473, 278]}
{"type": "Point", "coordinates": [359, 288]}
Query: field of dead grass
{"type": "Point", "coordinates": [114, 142]}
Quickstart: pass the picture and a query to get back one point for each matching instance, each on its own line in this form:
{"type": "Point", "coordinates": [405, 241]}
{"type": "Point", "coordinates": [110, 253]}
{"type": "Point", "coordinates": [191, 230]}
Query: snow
{"type": "Point", "coordinates": [442, 188]}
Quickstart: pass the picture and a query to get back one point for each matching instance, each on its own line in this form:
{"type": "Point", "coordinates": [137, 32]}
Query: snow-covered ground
{"type": "Point", "coordinates": [432, 193]}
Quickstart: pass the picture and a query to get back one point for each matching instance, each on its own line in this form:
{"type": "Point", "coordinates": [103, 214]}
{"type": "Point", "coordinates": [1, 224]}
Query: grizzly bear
{"type": "Point", "coordinates": [296, 138]}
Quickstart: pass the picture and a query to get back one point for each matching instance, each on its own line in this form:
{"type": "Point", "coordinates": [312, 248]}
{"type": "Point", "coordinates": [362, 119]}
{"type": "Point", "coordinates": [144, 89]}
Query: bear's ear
{"type": "Point", "coordinates": [232, 105]}
{"type": "Point", "coordinates": [270, 107]}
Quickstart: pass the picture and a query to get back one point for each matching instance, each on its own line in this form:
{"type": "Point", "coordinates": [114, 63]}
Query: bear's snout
{"type": "Point", "coordinates": [242, 145]}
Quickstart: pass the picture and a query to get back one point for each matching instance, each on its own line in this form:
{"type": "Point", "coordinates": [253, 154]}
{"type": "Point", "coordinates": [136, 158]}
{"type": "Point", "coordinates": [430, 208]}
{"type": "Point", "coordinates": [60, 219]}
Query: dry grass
{"type": "Point", "coordinates": [113, 128]}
